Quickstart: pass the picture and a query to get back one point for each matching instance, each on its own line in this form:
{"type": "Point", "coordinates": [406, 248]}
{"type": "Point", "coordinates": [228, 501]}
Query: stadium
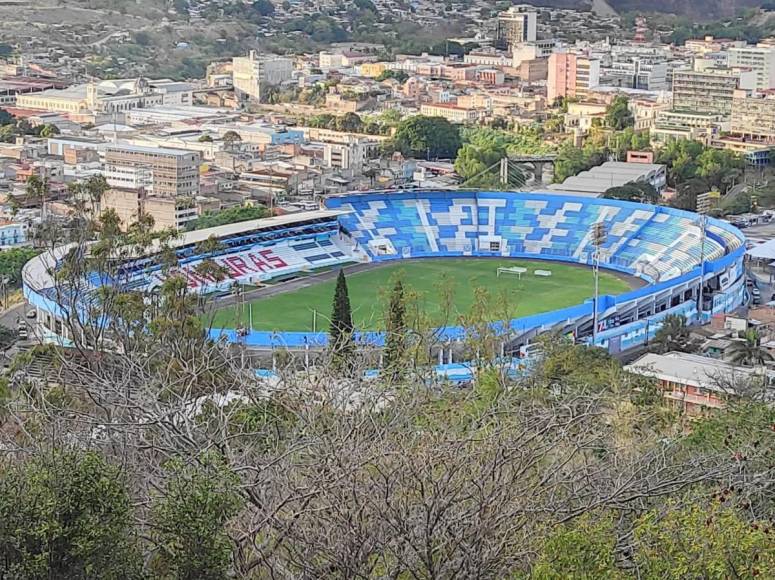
{"type": "Point", "coordinates": [654, 261]}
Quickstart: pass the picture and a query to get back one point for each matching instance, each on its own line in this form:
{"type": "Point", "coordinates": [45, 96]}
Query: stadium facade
{"type": "Point", "coordinates": [689, 269]}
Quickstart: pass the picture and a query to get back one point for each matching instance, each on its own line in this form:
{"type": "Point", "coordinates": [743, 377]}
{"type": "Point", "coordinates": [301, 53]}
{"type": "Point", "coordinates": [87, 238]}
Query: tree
{"type": "Point", "coordinates": [584, 548]}
{"type": "Point", "coordinates": [66, 514]}
{"type": "Point", "coordinates": [6, 118]}
{"type": "Point", "coordinates": [205, 139]}
{"type": "Point", "coordinates": [572, 160]}
{"type": "Point", "coordinates": [263, 7]}
{"type": "Point", "coordinates": [350, 122]}
{"type": "Point", "coordinates": [341, 345]}
{"type": "Point", "coordinates": [673, 335]}
{"type": "Point", "coordinates": [12, 261]}
{"type": "Point", "coordinates": [427, 137]}
{"type": "Point", "coordinates": [36, 191]}
{"type": "Point", "coordinates": [399, 75]}
{"type": "Point", "coordinates": [618, 115]}
{"type": "Point", "coordinates": [703, 540]}
{"type": "Point", "coordinates": [394, 357]}
{"type": "Point", "coordinates": [189, 520]}
{"type": "Point", "coordinates": [230, 139]}
{"type": "Point", "coordinates": [228, 216]}
{"type": "Point", "coordinates": [634, 191]}
{"type": "Point", "coordinates": [748, 352]}
{"type": "Point", "coordinates": [49, 131]}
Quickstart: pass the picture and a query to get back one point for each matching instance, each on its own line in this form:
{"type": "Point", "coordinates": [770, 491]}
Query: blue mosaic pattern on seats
{"type": "Point", "coordinates": [640, 238]}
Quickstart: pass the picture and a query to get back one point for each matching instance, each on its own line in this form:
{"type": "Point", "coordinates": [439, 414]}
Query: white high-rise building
{"type": "Point", "coordinates": [251, 72]}
{"type": "Point", "coordinates": [515, 25]}
{"type": "Point", "coordinates": [760, 59]}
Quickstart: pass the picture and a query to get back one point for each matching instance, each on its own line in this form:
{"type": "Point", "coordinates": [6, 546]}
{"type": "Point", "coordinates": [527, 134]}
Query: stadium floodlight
{"type": "Point", "coordinates": [598, 239]}
{"type": "Point", "coordinates": [703, 224]}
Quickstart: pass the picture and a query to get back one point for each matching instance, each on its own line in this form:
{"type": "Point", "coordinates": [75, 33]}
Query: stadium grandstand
{"type": "Point", "coordinates": [691, 266]}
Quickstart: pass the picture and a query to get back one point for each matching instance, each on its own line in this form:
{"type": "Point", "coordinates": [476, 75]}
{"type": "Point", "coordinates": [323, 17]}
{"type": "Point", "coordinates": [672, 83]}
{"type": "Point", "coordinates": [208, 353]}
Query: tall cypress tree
{"type": "Point", "coordinates": [395, 339]}
{"type": "Point", "coordinates": [341, 334]}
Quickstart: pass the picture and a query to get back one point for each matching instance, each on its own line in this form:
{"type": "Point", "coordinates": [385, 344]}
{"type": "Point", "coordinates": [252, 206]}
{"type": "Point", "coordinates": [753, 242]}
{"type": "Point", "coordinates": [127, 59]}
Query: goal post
{"type": "Point", "coordinates": [514, 271]}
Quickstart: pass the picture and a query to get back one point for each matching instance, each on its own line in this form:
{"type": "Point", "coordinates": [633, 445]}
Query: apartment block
{"type": "Point", "coordinates": [515, 25]}
{"type": "Point", "coordinates": [252, 72]}
{"type": "Point", "coordinates": [160, 171]}
{"type": "Point", "coordinates": [760, 59]}
{"type": "Point", "coordinates": [167, 213]}
{"type": "Point", "coordinates": [709, 91]}
{"type": "Point", "coordinates": [452, 113]}
{"type": "Point", "coordinates": [753, 116]}
{"type": "Point", "coordinates": [571, 75]}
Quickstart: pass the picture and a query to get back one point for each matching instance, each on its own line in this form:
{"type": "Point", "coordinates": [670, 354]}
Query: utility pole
{"type": "Point", "coordinates": [598, 239]}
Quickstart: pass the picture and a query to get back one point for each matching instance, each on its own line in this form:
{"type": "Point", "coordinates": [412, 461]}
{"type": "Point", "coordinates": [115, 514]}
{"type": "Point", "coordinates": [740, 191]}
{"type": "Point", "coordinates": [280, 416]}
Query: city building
{"type": "Point", "coordinates": [760, 59]}
{"type": "Point", "coordinates": [571, 76]}
{"type": "Point", "coordinates": [598, 180]}
{"type": "Point", "coordinates": [533, 50]}
{"type": "Point", "coordinates": [635, 73]}
{"type": "Point", "coordinates": [709, 44]}
{"type": "Point", "coordinates": [111, 96]}
{"type": "Point", "coordinates": [515, 25]}
{"type": "Point", "coordinates": [252, 72]}
{"type": "Point", "coordinates": [677, 125]}
{"type": "Point", "coordinates": [162, 172]}
{"type": "Point", "coordinates": [753, 116]}
{"type": "Point", "coordinates": [167, 213]}
{"type": "Point", "coordinates": [709, 91]}
{"type": "Point", "coordinates": [696, 384]}
{"type": "Point", "coordinates": [453, 113]}
{"type": "Point", "coordinates": [13, 233]}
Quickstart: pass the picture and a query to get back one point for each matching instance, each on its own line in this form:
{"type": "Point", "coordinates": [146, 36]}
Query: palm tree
{"type": "Point", "coordinates": [748, 352]}
{"type": "Point", "coordinates": [673, 336]}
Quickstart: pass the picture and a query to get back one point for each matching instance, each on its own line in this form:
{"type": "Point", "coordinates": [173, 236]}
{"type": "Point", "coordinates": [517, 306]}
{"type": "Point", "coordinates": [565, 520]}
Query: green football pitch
{"type": "Point", "coordinates": [298, 310]}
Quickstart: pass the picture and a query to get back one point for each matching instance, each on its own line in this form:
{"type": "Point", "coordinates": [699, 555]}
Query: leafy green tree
{"type": "Point", "coordinates": [583, 548]}
{"type": "Point", "coordinates": [228, 216]}
{"type": "Point", "coordinates": [66, 515]}
{"type": "Point", "coordinates": [748, 352]}
{"type": "Point", "coordinates": [399, 75]}
{"type": "Point", "coordinates": [673, 335]}
{"type": "Point", "coordinates": [12, 261]}
{"type": "Point", "coordinates": [349, 122]}
{"type": "Point", "coordinates": [341, 344]}
{"type": "Point", "coordinates": [634, 191]}
{"type": "Point", "coordinates": [230, 139]}
{"type": "Point", "coordinates": [189, 520]}
{"type": "Point", "coordinates": [572, 160]}
{"type": "Point", "coordinates": [618, 115]}
{"type": "Point", "coordinates": [49, 131]}
{"type": "Point", "coordinates": [703, 540]}
{"type": "Point", "coordinates": [427, 137]}
{"type": "Point", "coordinates": [394, 357]}
{"type": "Point", "coordinates": [263, 7]}
{"type": "Point", "coordinates": [6, 118]}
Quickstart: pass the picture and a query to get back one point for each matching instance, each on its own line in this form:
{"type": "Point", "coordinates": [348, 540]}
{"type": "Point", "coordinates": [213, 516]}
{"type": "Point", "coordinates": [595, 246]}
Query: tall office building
{"type": "Point", "coordinates": [760, 59]}
{"type": "Point", "coordinates": [252, 72]}
{"type": "Point", "coordinates": [709, 91]}
{"type": "Point", "coordinates": [159, 171]}
{"type": "Point", "coordinates": [753, 116]}
{"type": "Point", "coordinates": [571, 75]}
{"type": "Point", "coordinates": [516, 25]}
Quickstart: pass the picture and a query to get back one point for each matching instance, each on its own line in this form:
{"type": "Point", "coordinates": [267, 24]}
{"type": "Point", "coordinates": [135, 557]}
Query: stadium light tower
{"type": "Point", "coordinates": [598, 239]}
{"type": "Point", "coordinates": [703, 224]}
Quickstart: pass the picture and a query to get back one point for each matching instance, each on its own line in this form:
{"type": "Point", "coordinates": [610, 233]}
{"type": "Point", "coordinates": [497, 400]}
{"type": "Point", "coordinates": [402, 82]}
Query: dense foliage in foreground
{"type": "Point", "coordinates": [162, 455]}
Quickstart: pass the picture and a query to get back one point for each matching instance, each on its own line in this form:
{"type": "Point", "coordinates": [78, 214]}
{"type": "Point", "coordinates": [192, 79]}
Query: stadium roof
{"type": "Point", "coordinates": [254, 225]}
